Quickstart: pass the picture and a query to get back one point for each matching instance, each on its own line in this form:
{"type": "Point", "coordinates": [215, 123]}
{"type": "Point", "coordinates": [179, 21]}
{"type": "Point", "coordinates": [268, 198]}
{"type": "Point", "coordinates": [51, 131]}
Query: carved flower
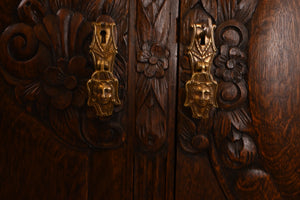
{"type": "Point", "coordinates": [153, 61]}
{"type": "Point", "coordinates": [46, 58]}
{"type": "Point", "coordinates": [231, 64]}
{"type": "Point", "coordinates": [65, 83]}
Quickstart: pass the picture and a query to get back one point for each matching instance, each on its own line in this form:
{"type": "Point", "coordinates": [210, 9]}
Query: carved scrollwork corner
{"type": "Point", "coordinates": [46, 58]}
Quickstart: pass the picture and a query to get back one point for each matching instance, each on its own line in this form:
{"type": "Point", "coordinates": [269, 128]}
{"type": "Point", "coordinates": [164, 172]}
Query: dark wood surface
{"type": "Point", "coordinates": [53, 146]}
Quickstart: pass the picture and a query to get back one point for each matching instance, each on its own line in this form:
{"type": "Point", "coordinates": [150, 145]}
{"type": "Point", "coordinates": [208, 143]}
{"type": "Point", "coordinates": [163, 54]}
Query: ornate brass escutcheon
{"type": "Point", "coordinates": [201, 89]}
{"type": "Point", "coordinates": [103, 85]}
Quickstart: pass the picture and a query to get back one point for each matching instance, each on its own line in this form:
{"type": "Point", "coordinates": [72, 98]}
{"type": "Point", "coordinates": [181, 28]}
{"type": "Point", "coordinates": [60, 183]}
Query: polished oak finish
{"type": "Point", "coordinates": [149, 145]}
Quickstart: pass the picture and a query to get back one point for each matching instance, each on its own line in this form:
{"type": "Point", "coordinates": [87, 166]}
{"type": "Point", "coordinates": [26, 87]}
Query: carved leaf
{"type": "Point", "coordinates": [186, 131]}
{"type": "Point", "coordinates": [144, 26]}
{"type": "Point", "coordinates": [64, 21]}
{"type": "Point", "coordinates": [211, 7]}
{"type": "Point", "coordinates": [75, 23]}
{"type": "Point", "coordinates": [162, 24]}
{"type": "Point", "coordinates": [160, 88]}
{"type": "Point", "coordinates": [151, 124]}
{"type": "Point", "coordinates": [222, 127]}
{"type": "Point", "coordinates": [152, 8]}
{"type": "Point", "coordinates": [51, 23]}
{"type": "Point", "coordinates": [82, 42]}
{"type": "Point", "coordinates": [31, 11]}
{"type": "Point", "coordinates": [226, 9]}
{"type": "Point", "coordinates": [239, 151]}
{"type": "Point", "coordinates": [117, 9]}
{"type": "Point", "coordinates": [256, 183]}
{"type": "Point", "coordinates": [121, 73]}
{"type": "Point", "coordinates": [66, 125]}
{"type": "Point", "coordinates": [143, 89]}
{"type": "Point", "coordinates": [46, 62]}
{"type": "Point", "coordinates": [233, 9]}
{"type": "Point", "coordinates": [69, 4]}
{"type": "Point", "coordinates": [152, 87]}
{"type": "Point", "coordinates": [28, 91]}
{"type": "Point", "coordinates": [240, 119]}
{"type": "Point", "coordinates": [245, 10]}
{"type": "Point", "coordinates": [93, 7]}
{"type": "Point", "coordinates": [188, 4]}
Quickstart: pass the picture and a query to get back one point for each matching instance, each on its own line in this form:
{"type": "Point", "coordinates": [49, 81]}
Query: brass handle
{"type": "Point", "coordinates": [201, 89]}
{"type": "Point", "coordinates": [103, 86]}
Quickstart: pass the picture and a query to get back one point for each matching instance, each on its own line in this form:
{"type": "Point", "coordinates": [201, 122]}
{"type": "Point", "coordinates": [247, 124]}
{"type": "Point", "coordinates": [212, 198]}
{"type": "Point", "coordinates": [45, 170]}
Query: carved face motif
{"type": "Point", "coordinates": [200, 98]}
{"type": "Point", "coordinates": [103, 95]}
{"type": "Point", "coordinates": [201, 94]}
{"type": "Point", "coordinates": [102, 92]}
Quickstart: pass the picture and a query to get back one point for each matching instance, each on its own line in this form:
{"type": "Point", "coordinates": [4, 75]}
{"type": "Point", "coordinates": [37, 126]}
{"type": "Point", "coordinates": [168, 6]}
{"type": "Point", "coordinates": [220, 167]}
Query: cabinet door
{"type": "Point", "coordinates": [53, 145]}
{"type": "Point", "coordinates": [247, 147]}
{"type": "Point", "coordinates": [208, 106]}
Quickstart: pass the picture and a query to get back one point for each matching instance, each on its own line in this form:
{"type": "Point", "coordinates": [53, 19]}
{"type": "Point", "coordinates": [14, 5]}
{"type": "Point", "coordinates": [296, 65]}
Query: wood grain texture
{"type": "Point", "coordinates": [153, 25]}
{"type": "Point", "coordinates": [8, 13]}
{"type": "Point", "coordinates": [34, 164]}
{"type": "Point", "coordinates": [155, 99]}
{"type": "Point", "coordinates": [53, 146]}
{"type": "Point", "coordinates": [274, 80]}
{"type": "Point", "coordinates": [193, 166]}
{"type": "Point", "coordinates": [45, 60]}
{"type": "Point", "coordinates": [228, 135]}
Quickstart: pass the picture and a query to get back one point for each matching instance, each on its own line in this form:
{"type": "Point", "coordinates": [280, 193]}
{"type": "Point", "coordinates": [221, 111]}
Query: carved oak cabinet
{"type": "Point", "coordinates": [141, 99]}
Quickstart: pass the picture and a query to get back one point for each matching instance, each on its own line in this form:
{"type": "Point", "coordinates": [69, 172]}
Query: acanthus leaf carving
{"type": "Point", "coordinates": [191, 139]}
{"type": "Point", "coordinates": [161, 32]}
{"type": "Point", "coordinates": [211, 6]}
{"type": "Point", "coordinates": [188, 4]}
{"type": "Point", "coordinates": [48, 63]}
{"type": "Point", "coordinates": [234, 9]}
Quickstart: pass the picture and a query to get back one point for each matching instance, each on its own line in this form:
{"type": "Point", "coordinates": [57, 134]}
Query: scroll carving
{"type": "Point", "coordinates": [228, 133]}
{"type": "Point", "coordinates": [46, 58]}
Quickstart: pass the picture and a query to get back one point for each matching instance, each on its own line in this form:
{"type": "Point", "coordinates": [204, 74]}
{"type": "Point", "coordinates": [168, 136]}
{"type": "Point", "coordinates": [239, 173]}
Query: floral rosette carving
{"type": "Point", "coordinates": [153, 61]}
{"type": "Point", "coordinates": [152, 64]}
{"type": "Point", "coordinates": [231, 64]}
{"type": "Point", "coordinates": [46, 58]}
{"type": "Point", "coordinates": [228, 134]}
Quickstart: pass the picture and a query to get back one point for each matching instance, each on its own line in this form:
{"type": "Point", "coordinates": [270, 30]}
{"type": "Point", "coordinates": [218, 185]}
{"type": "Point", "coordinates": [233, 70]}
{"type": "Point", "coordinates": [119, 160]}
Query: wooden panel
{"type": "Point", "coordinates": [110, 171]}
{"type": "Point", "coordinates": [195, 177]}
{"type": "Point", "coordinates": [53, 146]}
{"type": "Point", "coordinates": [45, 60]}
{"type": "Point", "coordinates": [8, 13]}
{"type": "Point", "coordinates": [154, 85]}
{"type": "Point", "coordinates": [34, 164]}
{"type": "Point", "coordinates": [227, 137]}
{"type": "Point", "coordinates": [274, 80]}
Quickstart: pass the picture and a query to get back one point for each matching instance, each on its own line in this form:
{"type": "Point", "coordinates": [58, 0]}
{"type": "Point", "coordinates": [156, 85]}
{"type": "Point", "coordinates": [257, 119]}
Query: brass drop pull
{"type": "Point", "coordinates": [103, 85]}
{"type": "Point", "coordinates": [201, 89]}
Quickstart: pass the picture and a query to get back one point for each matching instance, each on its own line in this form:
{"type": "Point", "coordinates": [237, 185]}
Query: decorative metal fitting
{"type": "Point", "coordinates": [201, 89]}
{"type": "Point", "coordinates": [103, 85]}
